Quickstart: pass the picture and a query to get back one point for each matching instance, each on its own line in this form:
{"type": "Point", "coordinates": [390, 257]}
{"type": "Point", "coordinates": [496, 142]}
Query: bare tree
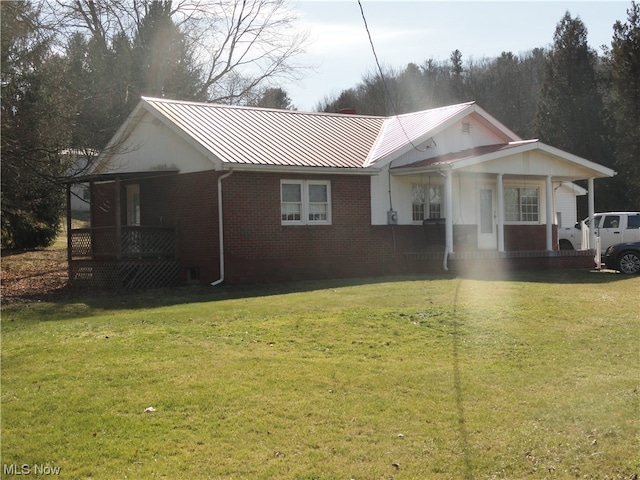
{"type": "Point", "coordinates": [239, 45]}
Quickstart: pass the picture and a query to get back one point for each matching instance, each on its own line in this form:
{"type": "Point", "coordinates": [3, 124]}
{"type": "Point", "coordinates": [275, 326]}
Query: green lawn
{"type": "Point", "coordinates": [535, 376]}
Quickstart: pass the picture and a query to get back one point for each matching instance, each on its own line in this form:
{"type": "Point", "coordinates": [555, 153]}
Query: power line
{"type": "Point", "coordinates": [384, 82]}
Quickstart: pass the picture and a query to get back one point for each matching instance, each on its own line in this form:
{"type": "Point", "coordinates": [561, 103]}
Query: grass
{"type": "Point", "coordinates": [535, 376]}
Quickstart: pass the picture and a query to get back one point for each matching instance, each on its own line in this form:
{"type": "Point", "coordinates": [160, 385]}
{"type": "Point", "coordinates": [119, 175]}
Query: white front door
{"type": "Point", "coordinates": [487, 233]}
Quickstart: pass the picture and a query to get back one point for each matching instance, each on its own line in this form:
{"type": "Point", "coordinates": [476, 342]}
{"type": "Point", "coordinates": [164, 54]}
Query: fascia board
{"type": "Point", "coordinates": [577, 189]}
{"type": "Point", "coordinates": [583, 162]}
{"type": "Point", "coordinates": [599, 171]}
{"type": "Point", "coordinates": [249, 167]}
{"type": "Point", "coordinates": [487, 157]}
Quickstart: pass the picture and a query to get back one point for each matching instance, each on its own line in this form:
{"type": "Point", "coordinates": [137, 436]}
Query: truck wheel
{"type": "Point", "coordinates": [629, 262]}
{"type": "Point", "coordinates": [565, 245]}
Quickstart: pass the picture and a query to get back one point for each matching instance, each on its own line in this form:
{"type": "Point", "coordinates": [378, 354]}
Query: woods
{"type": "Point", "coordinates": [72, 71]}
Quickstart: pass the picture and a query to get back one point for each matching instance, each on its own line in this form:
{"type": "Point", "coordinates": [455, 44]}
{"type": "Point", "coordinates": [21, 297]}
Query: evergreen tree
{"type": "Point", "coordinates": [624, 68]}
{"type": "Point", "coordinates": [570, 111]}
{"type": "Point", "coordinates": [274, 98]}
{"type": "Point", "coordinates": [36, 121]}
{"type": "Point", "coordinates": [457, 80]}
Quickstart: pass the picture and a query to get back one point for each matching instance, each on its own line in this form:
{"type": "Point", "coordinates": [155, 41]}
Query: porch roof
{"type": "Point", "coordinates": [550, 161]}
{"type": "Point", "coordinates": [111, 176]}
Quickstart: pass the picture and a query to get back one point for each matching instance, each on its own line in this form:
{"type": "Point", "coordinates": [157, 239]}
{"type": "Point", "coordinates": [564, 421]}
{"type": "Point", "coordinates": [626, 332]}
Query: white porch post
{"type": "Point", "coordinates": [549, 209]}
{"type": "Point", "coordinates": [449, 211]}
{"type": "Point", "coordinates": [500, 194]}
{"type": "Point", "coordinates": [592, 211]}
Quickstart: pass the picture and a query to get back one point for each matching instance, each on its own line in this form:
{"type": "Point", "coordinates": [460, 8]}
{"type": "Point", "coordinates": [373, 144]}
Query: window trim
{"type": "Point", "coordinates": [305, 202]}
{"type": "Point", "coordinates": [520, 221]}
{"type": "Point", "coordinates": [427, 205]}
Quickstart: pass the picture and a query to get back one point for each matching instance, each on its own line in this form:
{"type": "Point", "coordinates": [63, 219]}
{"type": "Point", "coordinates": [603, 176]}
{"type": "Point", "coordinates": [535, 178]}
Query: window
{"type": "Point", "coordinates": [611, 221]}
{"type": "Point", "coordinates": [521, 204]}
{"type": "Point", "coordinates": [133, 204]}
{"type": "Point", "coordinates": [427, 202]}
{"type": "Point", "coordinates": [305, 202]}
{"type": "Point", "coordinates": [633, 221]}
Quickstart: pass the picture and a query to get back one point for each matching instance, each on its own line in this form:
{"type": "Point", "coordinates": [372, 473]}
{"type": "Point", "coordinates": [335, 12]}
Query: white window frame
{"type": "Point", "coordinates": [521, 212]}
{"type": "Point", "coordinates": [427, 205]}
{"type": "Point", "coordinates": [305, 202]}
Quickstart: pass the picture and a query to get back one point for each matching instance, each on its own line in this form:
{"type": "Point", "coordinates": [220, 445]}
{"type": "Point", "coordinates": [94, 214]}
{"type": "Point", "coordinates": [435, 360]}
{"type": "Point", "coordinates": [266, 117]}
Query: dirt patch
{"type": "Point", "coordinates": [33, 276]}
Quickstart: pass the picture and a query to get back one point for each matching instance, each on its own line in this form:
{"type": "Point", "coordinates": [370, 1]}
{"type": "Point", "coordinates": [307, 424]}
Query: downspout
{"type": "Point", "coordinates": [221, 228]}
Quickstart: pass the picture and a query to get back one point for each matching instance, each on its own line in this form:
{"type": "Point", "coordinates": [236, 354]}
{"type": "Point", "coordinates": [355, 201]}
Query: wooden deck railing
{"type": "Point", "coordinates": [133, 242]}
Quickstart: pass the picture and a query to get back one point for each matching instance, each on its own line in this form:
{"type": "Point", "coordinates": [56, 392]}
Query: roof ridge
{"type": "Point", "coordinates": [251, 108]}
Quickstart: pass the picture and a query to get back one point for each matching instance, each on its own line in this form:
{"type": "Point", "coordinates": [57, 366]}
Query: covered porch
{"type": "Point", "coordinates": [499, 201]}
{"type": "Point", "coordinates": [117, 250]}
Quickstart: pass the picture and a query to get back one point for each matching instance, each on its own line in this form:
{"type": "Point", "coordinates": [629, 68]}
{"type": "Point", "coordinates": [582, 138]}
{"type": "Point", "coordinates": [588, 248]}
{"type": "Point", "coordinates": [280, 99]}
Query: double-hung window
{"type": "Point", "coordinates": [427, 202]}
{"type": "Point", "coordinates": [521, 204]}
{"type": "Point", "coordinates": [305, 202]}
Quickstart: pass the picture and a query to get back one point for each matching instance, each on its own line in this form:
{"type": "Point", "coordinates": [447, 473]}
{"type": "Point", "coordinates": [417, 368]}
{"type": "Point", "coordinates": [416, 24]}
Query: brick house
{"type": "Point", "coordinates": [203, 193]}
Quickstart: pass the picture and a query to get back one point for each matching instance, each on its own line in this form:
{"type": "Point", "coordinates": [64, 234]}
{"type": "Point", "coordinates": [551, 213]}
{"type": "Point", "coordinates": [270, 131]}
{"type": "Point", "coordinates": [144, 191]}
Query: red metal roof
{"type": "Point", "coordinates": [453, 157]}
{"type": "Point", "coordinates": [409, 130]}
{"type": "Point", "coordinates": [259, 136]}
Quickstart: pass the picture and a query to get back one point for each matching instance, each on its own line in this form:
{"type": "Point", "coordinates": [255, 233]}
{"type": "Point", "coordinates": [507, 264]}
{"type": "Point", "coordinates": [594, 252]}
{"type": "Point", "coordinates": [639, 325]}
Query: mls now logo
{"type": "Point", "coordinates": [26, 469]}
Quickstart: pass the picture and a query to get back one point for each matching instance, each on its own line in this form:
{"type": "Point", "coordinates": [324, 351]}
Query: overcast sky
{"type": "Point", "coordinates": [414, 31]}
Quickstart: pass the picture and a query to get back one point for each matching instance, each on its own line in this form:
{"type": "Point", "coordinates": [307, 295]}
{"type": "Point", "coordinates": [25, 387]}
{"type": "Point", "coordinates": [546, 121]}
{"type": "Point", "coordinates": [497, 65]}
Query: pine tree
{"type": "Point", "coordinates": [570, 111]}
{"type": "Point", "coordinates": [624, 68]}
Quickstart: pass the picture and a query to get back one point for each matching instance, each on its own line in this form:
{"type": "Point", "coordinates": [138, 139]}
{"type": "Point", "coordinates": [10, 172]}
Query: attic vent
{"type": "Point", "coordinates": [466, 128]}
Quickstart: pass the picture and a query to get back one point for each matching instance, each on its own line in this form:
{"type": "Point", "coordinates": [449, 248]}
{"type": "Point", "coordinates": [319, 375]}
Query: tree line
{"type": "Point", "coordinates": [72, 71]}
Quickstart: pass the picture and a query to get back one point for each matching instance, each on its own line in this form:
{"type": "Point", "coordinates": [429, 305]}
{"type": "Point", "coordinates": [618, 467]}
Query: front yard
{"type": "Point", "coordinates": [532, 376]}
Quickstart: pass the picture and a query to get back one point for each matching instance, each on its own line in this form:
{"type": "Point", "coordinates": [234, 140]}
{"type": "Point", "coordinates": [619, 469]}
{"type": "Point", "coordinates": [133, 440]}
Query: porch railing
{"type": "Point", "coordinates": [133, 242]}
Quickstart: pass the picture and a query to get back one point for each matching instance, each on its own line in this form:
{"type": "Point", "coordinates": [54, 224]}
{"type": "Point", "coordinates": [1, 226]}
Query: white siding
{"type": "Point", "coordinates": [566, 205]}
{"type": "Point", "coordinates": [153, 146]}
{"type": "Point", "coordinates": [452, 140]}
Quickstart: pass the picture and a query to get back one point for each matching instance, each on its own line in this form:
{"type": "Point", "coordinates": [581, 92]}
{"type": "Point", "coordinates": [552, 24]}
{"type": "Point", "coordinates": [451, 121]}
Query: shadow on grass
{"type": "Point", "coordinates": [72, 302]}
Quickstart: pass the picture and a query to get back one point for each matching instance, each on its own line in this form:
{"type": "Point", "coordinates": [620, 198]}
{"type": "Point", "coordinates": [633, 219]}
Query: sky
{"type": "Point", "coordinates": [415, 31]}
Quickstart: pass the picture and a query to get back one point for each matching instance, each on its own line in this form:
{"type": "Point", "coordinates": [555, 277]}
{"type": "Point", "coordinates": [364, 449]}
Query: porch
{"type": "Point", "coordinates": [130, 257]}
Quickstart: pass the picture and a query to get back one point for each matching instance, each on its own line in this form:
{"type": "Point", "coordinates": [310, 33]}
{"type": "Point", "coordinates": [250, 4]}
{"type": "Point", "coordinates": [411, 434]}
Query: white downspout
{"type": "Point", "coordinates": [549, 213]}
{"type": "Point", "coordinates": [448, 223]}
{"type": "Point", "coordinates": [221, 228]}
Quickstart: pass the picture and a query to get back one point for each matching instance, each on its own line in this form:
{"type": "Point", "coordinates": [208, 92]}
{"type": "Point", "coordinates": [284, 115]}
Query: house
{"type": "Point", "coordinates": [204, 193]}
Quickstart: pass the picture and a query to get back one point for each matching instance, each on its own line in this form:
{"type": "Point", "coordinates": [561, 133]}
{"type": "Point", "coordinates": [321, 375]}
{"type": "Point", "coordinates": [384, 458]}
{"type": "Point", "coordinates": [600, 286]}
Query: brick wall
{"type": "Point", "coordinates": [528, 237]}
{"type": "Point", "coordinates": [258, 248]}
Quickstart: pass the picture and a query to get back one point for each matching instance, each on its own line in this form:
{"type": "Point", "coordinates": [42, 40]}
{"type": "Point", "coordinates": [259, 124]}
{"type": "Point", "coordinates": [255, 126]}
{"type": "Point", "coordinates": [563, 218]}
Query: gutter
{"type": "Point", "coordinates": [221, 228]}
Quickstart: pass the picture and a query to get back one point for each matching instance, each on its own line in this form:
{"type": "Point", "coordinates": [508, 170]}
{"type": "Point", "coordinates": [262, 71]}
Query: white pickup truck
{"type": "Point", "coordinates": [611, 227]}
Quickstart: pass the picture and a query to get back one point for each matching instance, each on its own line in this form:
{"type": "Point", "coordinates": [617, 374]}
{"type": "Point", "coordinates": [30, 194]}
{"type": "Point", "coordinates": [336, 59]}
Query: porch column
{"type": "Point", "coordinates": [592, 211]}
{"type": "Point", "coordinates": [500, 194]}
{"type": "Point", "coordinates": [448, 206]}
{"type": "Point", "coordinates": [118, 213]}
{"type": "Point", "coordinates": [549, 209]}
{"type": "Point", "coordinates": [69, 240]}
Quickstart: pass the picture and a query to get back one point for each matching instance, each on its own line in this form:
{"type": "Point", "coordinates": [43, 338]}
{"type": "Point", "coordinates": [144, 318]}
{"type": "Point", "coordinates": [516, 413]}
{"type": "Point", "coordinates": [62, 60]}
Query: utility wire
{"type": "Point", "coordinates": [384, 82]}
